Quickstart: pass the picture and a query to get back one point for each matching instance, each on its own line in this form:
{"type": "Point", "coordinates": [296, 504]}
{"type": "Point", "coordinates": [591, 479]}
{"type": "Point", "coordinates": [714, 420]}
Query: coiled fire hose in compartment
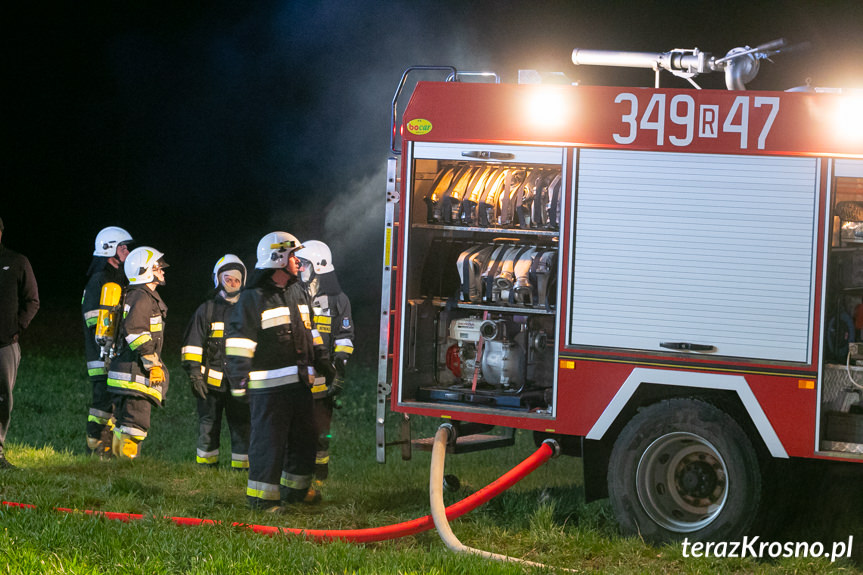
{"type": "Point", "coordinates": [439, 513]}
{"type": "Point", "coordinates": [367, 535]}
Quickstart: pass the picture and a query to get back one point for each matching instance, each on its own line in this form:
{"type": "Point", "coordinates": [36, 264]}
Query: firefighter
{"type": "Point", "coordinates": [332, 317]}
{"type": "Point", "coordinates": [272, 347]}
{"type": "Point", "coordinates": [137, 374]}
{"type": "Point", "coordinates": [112, 247]}
{"type": "Point", "coordinates": [204, 359]}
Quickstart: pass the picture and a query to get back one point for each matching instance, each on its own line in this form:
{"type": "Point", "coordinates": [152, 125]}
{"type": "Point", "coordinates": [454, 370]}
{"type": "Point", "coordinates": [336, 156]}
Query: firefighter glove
{"type": "Point", "coordinates": [157, 375]}
{"type": "Point", "coordinates": [199, 387]}
{"type": "Point", "coordinates": [339, 364]}
{"type": "Point", "coordinates": [325, 368]}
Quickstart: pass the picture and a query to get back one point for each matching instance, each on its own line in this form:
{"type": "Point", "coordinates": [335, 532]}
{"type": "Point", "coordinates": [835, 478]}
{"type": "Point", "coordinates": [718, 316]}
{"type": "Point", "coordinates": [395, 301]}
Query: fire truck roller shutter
{"type": "Point", "coordinates": [706, 248]}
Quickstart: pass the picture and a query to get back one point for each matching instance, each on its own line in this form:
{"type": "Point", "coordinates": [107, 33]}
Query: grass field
{"type": "Point", "coordinates": [543, 518]}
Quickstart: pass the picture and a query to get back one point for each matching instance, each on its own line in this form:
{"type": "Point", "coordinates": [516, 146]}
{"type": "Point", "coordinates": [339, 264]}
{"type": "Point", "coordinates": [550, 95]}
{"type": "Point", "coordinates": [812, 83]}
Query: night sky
{"type": "Point", "coordinates": [201, 126]}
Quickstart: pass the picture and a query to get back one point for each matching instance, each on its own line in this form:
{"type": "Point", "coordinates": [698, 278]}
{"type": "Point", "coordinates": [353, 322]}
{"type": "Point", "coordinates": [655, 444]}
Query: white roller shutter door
{"type": "Point", "coordinates": [697, 248]}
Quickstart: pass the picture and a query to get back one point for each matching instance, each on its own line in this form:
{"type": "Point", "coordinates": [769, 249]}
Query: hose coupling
{"type": "Point", "coordinates": [555, 446]}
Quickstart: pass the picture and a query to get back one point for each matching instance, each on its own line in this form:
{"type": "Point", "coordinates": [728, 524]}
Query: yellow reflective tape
{"type": "Point", "coordinates": [153, 392]}
{"type": "Point", "coordinates": [387, 241]}
{"type": "Point", "coordinates": [239, 351]}
{"type": "Point", "coordinates": [139, 341]}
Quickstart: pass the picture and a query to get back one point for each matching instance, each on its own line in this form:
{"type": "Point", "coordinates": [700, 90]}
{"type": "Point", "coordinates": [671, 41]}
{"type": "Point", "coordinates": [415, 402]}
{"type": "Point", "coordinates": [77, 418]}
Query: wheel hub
{"type": "Point", "coordinates": [681, 482]}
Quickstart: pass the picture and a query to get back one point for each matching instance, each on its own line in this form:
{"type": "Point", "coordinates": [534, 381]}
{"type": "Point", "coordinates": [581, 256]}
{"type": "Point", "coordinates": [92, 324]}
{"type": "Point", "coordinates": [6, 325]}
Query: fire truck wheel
{"type": "Point", "coordinates": [684, 468]}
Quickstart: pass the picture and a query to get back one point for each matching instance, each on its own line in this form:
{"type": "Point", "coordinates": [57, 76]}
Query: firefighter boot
{"type": "Point", "coordinates": [106, 441]}
{"type": "Point", "coordinates": [94, 445]}
{"type": "Point", "coordinates": [315, 492]}
{"type": "Point", "coordinates": [125, 446]}
{"type": "Point", "coordinates": [101, 446]}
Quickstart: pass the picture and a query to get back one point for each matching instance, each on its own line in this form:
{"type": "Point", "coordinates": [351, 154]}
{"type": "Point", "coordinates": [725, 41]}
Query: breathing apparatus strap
{"type": "Point", "coordinates": [204, 355]}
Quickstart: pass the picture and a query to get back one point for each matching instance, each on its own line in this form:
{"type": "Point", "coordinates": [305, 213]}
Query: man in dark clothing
{"type": "Point", "coordinates": [273, 350]}
{"type": "Point", "coordinates": [112, 247]}
{"type": "Point", "coordinates": [19, 301]}
{"type": "Point", "coordinates": [204, 360]}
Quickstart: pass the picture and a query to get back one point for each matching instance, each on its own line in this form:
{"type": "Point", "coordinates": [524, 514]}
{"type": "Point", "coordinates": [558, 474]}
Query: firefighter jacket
{"type": "Point", "coordinates": [101, 272]}
{"type": "Point", "coordinates": [332, 316]}
{"type": "Point", "coordinates": [19, 296]}
{"type": "Point", "coordinates": [140, 338]}
{"type": "Point", "coordinates": [270, 340]}
{"type": "Point", "coordinates": [203, 352]}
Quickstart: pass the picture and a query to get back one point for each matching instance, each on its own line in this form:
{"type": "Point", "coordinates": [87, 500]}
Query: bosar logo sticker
{"type": "Point", "coordinates": [419, 127]}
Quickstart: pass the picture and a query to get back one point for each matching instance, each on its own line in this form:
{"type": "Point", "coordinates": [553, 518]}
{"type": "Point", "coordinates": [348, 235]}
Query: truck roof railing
{"type": "Point", "coordinates": [453, 76]}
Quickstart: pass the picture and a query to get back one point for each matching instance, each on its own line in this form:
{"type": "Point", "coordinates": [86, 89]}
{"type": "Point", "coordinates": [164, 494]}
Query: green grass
{"type": "Point", "coordinates": [543, 518]}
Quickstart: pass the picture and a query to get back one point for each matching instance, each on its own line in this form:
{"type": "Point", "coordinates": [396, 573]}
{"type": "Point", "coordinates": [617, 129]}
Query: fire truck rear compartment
{"type": "Point", "coordinates": [492, 358]}
{"type": "Point", "coordinates": [480, 295]}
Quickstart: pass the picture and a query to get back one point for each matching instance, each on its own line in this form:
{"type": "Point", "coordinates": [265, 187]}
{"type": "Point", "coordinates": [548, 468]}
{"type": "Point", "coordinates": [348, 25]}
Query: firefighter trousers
{"type": "Point", "coordinates": [281, 445]}
{"type": "Point", "coordinates": [236, 412]}
{"type": "Point", "coordinates": [323, 421]}
{"type": "Point", "coordinates": [132, 416]}
{"type": "Point", "coordinates": [101, 408]}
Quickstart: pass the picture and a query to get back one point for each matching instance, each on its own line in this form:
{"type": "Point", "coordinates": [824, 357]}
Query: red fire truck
{"type": "Point", "coordinates": [667, 281]}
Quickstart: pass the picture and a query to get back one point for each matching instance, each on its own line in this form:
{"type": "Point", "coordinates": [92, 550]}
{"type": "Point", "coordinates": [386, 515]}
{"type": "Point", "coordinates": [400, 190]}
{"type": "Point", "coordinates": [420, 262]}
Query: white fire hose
{"type": "Point", "coordinates": [438, 509]}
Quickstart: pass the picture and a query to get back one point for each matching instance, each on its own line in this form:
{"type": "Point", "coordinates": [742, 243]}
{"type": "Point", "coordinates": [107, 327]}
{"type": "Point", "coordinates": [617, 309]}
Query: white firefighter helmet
{"type": "Point", "coordinates": [140, 262]}
{"type": "Point", "coordinates": [228, 262]}
{"type": "Point", "coordinates": [319, 255]}
{"type": "Point", "coordinates": [108, 239]}
{"type": "Point", "coordinates": [275, 248]}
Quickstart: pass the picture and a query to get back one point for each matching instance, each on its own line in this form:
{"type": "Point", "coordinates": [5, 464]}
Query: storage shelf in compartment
{"type": "Point", "coordinates": [490, 230]}
{"type": "Point", "coordinates": [498, 308]}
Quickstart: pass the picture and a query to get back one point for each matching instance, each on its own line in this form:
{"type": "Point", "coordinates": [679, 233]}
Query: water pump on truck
{"type": "Point", "coordinates": [662, 279]}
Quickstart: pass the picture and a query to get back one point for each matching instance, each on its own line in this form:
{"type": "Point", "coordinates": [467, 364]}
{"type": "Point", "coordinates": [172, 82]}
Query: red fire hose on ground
{"type": "Point", "coordinates": [367, 535]}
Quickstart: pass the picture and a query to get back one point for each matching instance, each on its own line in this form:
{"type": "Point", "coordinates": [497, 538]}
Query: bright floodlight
{"type": "Point", "coordinates": [546, 107]}
{"type": "Point", "coordinates": [849, 118]}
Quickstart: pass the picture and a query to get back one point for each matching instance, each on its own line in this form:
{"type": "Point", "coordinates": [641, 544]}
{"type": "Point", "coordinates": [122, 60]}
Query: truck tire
{"type": "Point", "coordinates": [683, 468]}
